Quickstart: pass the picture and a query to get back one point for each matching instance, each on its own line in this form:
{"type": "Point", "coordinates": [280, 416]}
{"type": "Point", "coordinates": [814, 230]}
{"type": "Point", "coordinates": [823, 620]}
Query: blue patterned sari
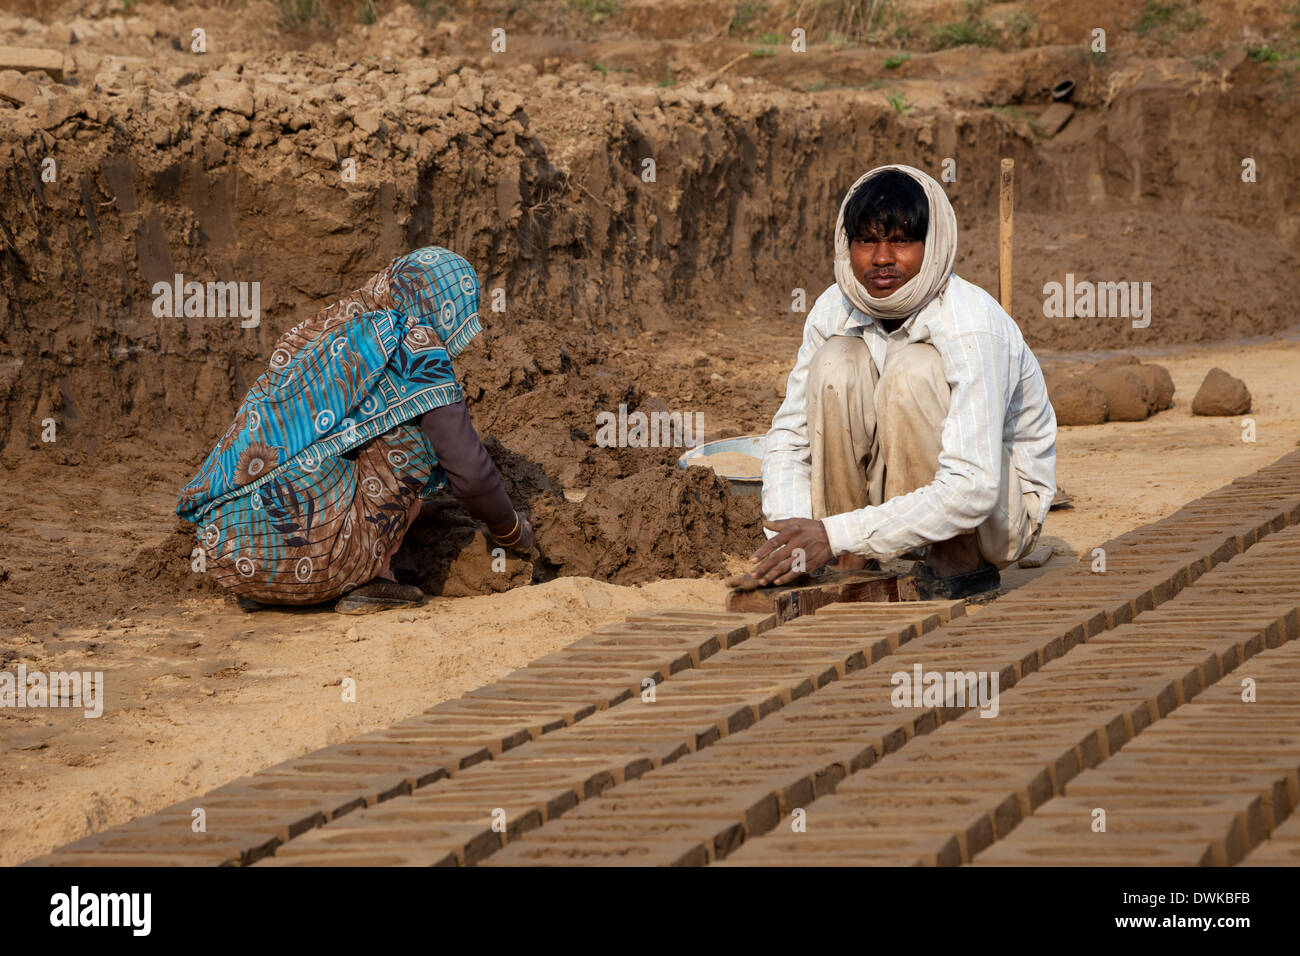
{"type": "Point", "coordinates": [311, 485]}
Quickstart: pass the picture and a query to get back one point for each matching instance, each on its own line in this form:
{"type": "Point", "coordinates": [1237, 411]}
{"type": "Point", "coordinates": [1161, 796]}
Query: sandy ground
{"type": "Point", "coordinates": [199, 693]}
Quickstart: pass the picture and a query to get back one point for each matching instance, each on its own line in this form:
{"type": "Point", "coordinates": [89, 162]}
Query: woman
{"type": "Point", "coordinates": [359, 417]}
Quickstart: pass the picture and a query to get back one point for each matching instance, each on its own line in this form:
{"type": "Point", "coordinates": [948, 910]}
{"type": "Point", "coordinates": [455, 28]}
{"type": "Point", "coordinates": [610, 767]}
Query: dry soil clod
{"type": "Point", "coordinates": [1221, 394]}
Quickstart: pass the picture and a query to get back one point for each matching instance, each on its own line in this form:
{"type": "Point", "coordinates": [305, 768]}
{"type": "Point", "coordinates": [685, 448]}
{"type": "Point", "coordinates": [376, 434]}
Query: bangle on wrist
{"type": "Point", "coordinates": [513, 535]}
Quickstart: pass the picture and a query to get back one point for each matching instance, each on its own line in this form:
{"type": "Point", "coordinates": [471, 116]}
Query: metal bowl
{"type": "Point", "coordinates": [746, 445]}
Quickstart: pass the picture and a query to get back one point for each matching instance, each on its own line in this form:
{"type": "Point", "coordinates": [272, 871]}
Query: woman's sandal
{"type": "Point", "coordinates": [381, 594]}
{"type": "Point", "coordinates": [931, 587]}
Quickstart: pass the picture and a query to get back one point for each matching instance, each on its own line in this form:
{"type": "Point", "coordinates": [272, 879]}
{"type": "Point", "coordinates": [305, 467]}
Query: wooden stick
{"type": "Point", "coordinates": [1005, 233]}
{"type": "Point", "coordinates": [726, 66]}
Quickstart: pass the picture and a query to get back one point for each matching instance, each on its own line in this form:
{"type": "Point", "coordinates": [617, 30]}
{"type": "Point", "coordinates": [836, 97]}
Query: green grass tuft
{"type": "Point", "coordinates": [597, 11]}
{"type": "Point", "coordinates": [1165, 19]}
{"type": "Point", "coordinates": [744, 15]}
{"type": "Point", "coordinates": [296, 14]}
{"type": "Point", "coordinates": [971, 31]}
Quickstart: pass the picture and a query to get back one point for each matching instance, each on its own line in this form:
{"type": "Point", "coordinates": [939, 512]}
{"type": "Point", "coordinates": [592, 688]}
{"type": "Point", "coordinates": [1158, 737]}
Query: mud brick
{"type": "Point", "coordinates": [282, 815]}
{"type": "Point", "coordinates": [516, 797]}
{"type": "Point", "coordinates": [868, 799]}
{"type": "Point", "coordinates": [845, 849]}
{"type": "Point", "coordinates": [867, 746]}
{"type": "Point", "coordinates": [1132, 784]}
{"type": "Point", "coordinates": [334, 795]}
{"type": "Point", "coordinates": [921, 611]}
{"type": "Point", "coordinates": [609, 686]}
{"type": "Point", "coordinates": [589, 840]}
{"type": "Point", "coordinates": [472, 707]}
{"type": "Point", "coordinates": [922, 823]}
{"type": "Point", "coordinates": [467, 844]}
{"type": "Point", "coordinates": [66, 858]}
{"type": "Point", "coordinates": [578, 833]}
{"type": "Point", "coordinates": [1031, 790]}
{"type": "Point", "coordinates": [379, 856]}
{"type": "Point", "coordinates": [1157, 761]}
{"type": "Point", "coordinates": [1274, 853]}
{"type": "Point", "coordinates": [791, 856]}
{"type": "Point", "coordinates": [615, 659]}
{"type": "Point", "coordinates": [446, 744]}
{"type": "Point", "coordinates": [1282, 848]}
{"type": "Point", "coordinates": [576, 696]}
{"type": "Point", "coordinates": [225, 848]}
{"type": "Point", "coordinates": [755, 753]}
{"type": "Point", "coordinates": [429, 820]}
{"type": "Point", "coordinates": [385, 774]}
{"type": "Point", "coordinates": [1222, 832]}
{"type": "Point", "coordinates": [1036, 850]}
{"type": "Point", "coordinates": [721, 621]}
{"type": "Point", "coordinates": [530, 853]}
{"type": "Point", "coordinates": [373, 782]}
{"type": "Point", "coordinates": [644, 642]}
{"type": "Point", "coordinates": [1249, 809]}
{"type": "Point", "coordinates": [959, 752]}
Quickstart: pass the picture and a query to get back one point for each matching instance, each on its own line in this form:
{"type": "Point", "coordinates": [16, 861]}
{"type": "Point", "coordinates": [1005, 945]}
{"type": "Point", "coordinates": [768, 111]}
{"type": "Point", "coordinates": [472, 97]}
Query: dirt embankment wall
{"type": "Point", "coordinates": [542, 182]}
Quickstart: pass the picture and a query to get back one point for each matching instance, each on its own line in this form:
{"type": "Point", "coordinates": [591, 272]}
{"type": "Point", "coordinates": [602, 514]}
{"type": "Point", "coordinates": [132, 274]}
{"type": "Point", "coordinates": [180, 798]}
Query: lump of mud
{"type": "Point", "coordinates": [1128, 398]}
{"type": "Point", "coordinates": [542, 399]}
{"type": "Point", "coordinates": [458, 562]}
{"type": "Point", "coordinates": [1160, 385]}
{"type": "Point", "coordinates": [1221, 394]}
{"type": "Point", "coordinates": [662, 522]}
{"type": "Point", "coordinates": [170, 564]}
{"type": "Point", "coordinates": [1078, 402]}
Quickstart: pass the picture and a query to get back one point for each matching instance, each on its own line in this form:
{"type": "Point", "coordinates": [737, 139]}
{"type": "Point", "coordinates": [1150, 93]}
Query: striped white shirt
{"type": "Point", "coordinates": [998, 397]}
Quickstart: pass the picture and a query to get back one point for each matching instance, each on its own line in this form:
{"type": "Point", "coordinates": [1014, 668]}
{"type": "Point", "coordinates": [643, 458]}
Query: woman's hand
{"type": "Point", "coordinates": [800, 546]}
{"type": "Point", "coordinates": [519, 539]}
{"type": "Point", "coordinates": [526, 541]}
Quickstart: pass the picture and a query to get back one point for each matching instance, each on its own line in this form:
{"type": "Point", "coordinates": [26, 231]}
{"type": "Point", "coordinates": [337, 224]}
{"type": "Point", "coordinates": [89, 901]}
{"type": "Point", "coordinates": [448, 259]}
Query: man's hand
{"type": "Point", "coordinates": [800, 546]}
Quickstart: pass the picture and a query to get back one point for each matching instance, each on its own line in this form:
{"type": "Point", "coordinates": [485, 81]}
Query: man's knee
{"type": "Point", "coordinates": [913, 372]}
{"type": "Point", "coordinates": [841, 362]}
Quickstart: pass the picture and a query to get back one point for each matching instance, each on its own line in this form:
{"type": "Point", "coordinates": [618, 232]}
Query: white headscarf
{"type": "Point", "coordinates": [936, 267]}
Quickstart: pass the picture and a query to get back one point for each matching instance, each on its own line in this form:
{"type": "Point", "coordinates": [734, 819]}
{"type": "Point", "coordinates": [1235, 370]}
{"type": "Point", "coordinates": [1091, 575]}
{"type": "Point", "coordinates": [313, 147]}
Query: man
{"type": "Point", "coordinates": [916, 421]}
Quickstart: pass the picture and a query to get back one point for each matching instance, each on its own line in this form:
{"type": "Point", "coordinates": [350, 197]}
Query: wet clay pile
{"type": "Point", "coordinates": [660, 522]}
{"type": "Point", "coordinates": [1119, 389]}
{"type": "Point", "coordinates": [642, 517]}
{"type": "Point", "coordinates": [170, 565]}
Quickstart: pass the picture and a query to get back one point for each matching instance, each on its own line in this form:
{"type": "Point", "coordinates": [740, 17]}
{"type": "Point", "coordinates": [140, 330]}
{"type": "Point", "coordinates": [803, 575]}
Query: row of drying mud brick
{"type": "Point", "coordinates": [568, 760]}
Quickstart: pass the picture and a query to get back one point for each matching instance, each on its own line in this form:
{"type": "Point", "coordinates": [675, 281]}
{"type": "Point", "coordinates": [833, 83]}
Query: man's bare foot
{"type": "Point", "coordinates": [955, 556]}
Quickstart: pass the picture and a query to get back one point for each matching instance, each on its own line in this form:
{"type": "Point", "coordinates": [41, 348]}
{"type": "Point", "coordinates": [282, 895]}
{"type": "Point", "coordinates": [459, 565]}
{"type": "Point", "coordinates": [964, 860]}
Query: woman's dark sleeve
{"type": "Point", "coordinates": [471, 474]}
